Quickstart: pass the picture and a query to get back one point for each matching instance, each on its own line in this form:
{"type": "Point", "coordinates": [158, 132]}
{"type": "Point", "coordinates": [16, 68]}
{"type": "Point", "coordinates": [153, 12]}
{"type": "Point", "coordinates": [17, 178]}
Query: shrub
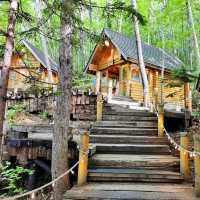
{"type": "Point", "coordinates": [12, 179]}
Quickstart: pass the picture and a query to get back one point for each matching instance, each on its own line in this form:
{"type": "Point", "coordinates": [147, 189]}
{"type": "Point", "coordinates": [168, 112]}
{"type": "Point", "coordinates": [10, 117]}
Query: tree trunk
{"type": "Point", "coordinates": [194, 35]}
{"type": "Point", "coordinates": [63, 102]}
{"type": "Point", "coordinates": [140, 56]}
{"type": "Point", "coordinates": [6, 65]}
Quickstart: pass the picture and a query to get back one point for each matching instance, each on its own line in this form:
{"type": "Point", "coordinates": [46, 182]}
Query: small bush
{"type": "Point", "coordinates": [45, 115]}
{"type": "Point", "coordinates": [13, 111]}
{"type": "Point", "coordinates": [12, 179]}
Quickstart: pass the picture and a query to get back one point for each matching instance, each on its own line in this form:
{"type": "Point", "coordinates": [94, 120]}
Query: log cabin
{"type": "Point", "coordinates": [30, 63]}
{"type": "Point", "coordinates": [115, 64]}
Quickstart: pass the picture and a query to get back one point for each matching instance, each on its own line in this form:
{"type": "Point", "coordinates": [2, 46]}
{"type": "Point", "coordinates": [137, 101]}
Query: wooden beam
{"type": "Point", "coordinates": [111, 63]}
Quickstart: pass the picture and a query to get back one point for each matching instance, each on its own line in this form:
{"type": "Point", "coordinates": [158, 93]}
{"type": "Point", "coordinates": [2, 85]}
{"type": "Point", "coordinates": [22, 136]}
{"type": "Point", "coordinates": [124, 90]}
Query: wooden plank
{"type": "Point", "coordinates": [132, 195]}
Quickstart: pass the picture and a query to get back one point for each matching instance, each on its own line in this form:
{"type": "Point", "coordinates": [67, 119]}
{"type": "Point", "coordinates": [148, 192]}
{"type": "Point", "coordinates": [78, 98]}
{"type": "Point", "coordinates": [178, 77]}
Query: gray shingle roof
{"type": "Point", "coordinates": [40, 56]}
{"type": "Point", "coordinates": [152, 55]}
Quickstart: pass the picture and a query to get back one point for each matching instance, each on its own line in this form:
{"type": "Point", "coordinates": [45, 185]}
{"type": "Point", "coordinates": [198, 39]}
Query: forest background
{"type": "Point", "coordinates": [168, 25]}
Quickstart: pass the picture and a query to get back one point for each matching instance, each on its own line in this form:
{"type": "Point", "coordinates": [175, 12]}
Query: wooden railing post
{"type": "Point", "coordinates": [121, 81]}
{"type": "Point", "coordinates": [197, 164]}
{"type": "Point", "coordinates": [109, 90]}
{"type": "Point", "coordinates": [160, 120]}
{"type": "Point", "coordinates": [99, 107]}
{"type": "Point", "coordinates": [83, 159]}
{"type": "Point", "coordinates": [184, 156]}
{"type": "Point", "coordinates": [188, 97]}
{"type": "Point", "coordinates": [156, 98]}
{"type": "Point", "coordinates": [98, 82]}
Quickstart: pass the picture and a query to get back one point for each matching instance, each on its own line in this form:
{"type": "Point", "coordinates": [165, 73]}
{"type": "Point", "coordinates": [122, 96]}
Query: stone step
{"type": "Point", "coordinates": [127, 139]}
{"type": "Point", "coordinates": [123, 131]}
{"type": "Point", "coordinates": [136, 175]}
{"type": "Point", "coordinates": [126, 124]}
{"type": "Point", "coordinates": [107, 117]}
{"type": "Point", "coordinates": [164, 162]}
{"type": "Point", "coordinates": [131, 191]}
{"type": "Point", "coordinates": [132, 148]}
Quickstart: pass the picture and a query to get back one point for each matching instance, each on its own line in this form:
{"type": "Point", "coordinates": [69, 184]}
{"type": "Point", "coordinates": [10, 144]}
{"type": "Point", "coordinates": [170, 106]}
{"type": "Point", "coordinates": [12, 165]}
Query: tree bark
{"type": "Point", "coordinates": [6, 65]}
{"type": "Point", "coordinates": [62, 112]}
{"type": "Point", "coordinates": [194, 35]}
{"type": "Point", "coordinates": [140, 56]}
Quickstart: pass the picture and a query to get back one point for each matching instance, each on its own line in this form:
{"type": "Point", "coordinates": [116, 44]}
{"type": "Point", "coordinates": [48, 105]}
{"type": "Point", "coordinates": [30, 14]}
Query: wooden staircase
{"type": "Point", "coordinates": [130, 154]}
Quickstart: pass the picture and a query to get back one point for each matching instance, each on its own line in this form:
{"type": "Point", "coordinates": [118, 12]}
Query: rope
{"type": "Point", "coordinates": [44, 186]}
{"type": "Point", "coordinates": [52, 183]}
{"type": "Point", "coordinates": [177, 146]}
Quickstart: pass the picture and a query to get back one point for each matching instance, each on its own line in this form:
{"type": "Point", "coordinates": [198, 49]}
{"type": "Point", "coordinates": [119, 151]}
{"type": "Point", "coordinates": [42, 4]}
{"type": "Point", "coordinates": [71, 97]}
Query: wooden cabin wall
{"type": "Point", "coordinates": [154, 78]}
{"type": "Point", "coordinates": [104, 57]}
{"type": "Point", "coordinates": [177, 93]}
{"type": "Point", "coordinates": [137, 91]}
{"type": "Point", "coordinates": [17, 81]}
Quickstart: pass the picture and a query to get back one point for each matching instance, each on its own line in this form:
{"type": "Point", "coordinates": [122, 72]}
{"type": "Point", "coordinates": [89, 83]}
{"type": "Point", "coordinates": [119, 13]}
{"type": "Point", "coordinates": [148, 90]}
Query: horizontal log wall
{"type": "Point", "coordinates": [177, 93]}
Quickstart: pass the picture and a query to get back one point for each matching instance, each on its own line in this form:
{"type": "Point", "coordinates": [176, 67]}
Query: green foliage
{"type": "Point", "coordinates": [12, 179]}
{"type": "Point", "coordinates": [13, 111]}
{"type": "Point", "coordinates": [196, 103]}
{"type": "Point", "coordinates": [81, 80]}
{"type": "Point", "coordinates": [37, 89]}
{"type": "Point", "coordinates": [167, 27]}
{"type": "Point", "coordinates": [45, 115]}
{"type": "Point", "coordinates": [184, 74]}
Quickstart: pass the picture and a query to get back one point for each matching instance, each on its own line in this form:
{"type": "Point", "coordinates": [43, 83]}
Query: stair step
{"type": "Point", "coordinates": [126, 102]}
{"type": "Point", "coordinates": [137, 175]}
{"type": "Point", "coordinates": [128, 113]}
{"type": "Point", "coordinates": [132, 148]}
{"type": "Point", "coordinates": [134, 161]}
{"type": "Point", "coordinates": [131, 191]}
{"type": "Point", "coordinates": [122, 139]}
{"type": "Point", "coordinates": [123, 98]}
{"type": "Point", "coordinates": [124, 131]}
{"type": "Point", "coordinates": [120, 124]}
{"type": "Point", "coordinates": [108, 117]}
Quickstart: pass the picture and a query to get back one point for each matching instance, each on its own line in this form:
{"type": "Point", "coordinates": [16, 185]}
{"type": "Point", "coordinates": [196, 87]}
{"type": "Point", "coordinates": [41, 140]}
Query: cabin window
{"type": "Point", "coordinates": [136, 76]}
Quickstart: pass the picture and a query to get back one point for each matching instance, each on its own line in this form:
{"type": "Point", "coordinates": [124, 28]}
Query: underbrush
{"type": "Point", "coordinates": [12, 179]}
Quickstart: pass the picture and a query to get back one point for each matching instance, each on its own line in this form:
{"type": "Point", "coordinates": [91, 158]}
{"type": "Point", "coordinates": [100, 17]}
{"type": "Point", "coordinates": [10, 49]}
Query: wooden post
{"type": "Point", "coordinates": [160, 120]}
{"type": "Point", "coordinates": [83, 159]}
{"type": "Point", "coordinates": [187, 97]}
{"type": "Point", "coordinates": [109, 90]}
{"type": "Point", "coordinates": [128, 80]}
{"type": "Point", "coordinates": [184, 156]}
{"type": "Point", "coordinates": [98, 82]}
{"type": "Point", "coordinates": [121, 80]}
{"type": "Point", "coordinates": [99, 107]}
{"type": "Point", "coordinates": [197, 165]}
{"type": "Point", "coordinates": [150, 75]}
{"type": "Point", "coordinates": [155, 89]}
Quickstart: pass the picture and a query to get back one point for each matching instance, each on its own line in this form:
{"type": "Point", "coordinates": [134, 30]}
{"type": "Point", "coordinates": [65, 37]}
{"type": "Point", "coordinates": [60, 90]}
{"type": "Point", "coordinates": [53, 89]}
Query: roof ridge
{"type": "Point", "coordinates": [34, 50]}
{"type": "Point", "coordinates": [152, 54]}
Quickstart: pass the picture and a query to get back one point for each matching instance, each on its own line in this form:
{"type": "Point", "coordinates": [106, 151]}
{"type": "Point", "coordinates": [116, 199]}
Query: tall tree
{"type": "Point", "coordinates": [63, 102]}
{"type": "Point", "coordinates": [140, 56]}
{"type": "Point", "coordinates": [9, 46]}
{"type": "Point", "coordinates": [194, 35]}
